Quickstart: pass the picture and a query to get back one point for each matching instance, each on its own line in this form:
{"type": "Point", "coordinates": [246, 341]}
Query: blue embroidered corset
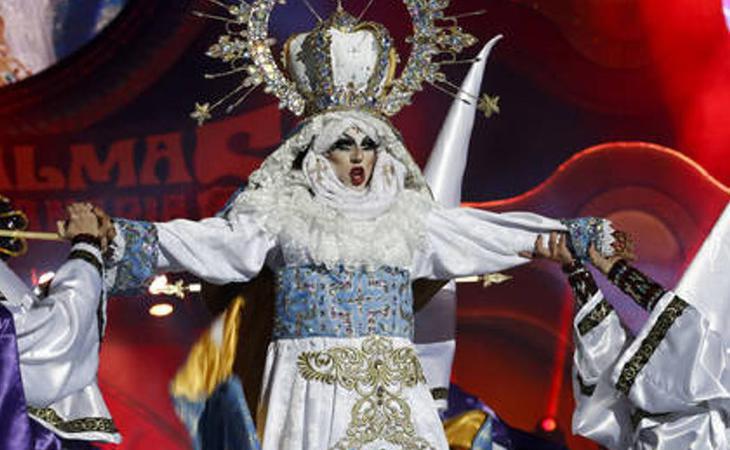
{"type": "Point", "coordinates": [316, 301]}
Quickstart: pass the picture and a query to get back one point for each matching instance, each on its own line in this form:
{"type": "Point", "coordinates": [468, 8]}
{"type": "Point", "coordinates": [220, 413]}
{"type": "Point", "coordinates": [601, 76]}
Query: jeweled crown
{"type": "Point", "coordinates": [342, 63]}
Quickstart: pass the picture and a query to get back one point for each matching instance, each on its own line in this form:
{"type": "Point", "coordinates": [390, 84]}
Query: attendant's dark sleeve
{"type": "Point", "coordinates": [599, 339]}
{"type": "Point", "coordinates": [581, 282]}
{"type": "Point", "coordinates": [637, 285]}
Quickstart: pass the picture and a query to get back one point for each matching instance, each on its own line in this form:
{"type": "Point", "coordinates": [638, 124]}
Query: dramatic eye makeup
{"type": "Point", "coordinates": [368, 143]}
{"type": "Point", "coordinates": [343, 143]}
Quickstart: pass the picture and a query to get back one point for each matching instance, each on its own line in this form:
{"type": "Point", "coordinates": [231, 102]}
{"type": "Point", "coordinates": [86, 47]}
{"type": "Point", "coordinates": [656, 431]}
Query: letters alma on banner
{"type": "Point", "coordinates": [155, 176]}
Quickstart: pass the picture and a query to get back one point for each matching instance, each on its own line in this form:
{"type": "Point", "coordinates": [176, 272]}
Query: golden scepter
{"type": "Point", "coordinates": [37, 235]}
{"type": "Point", "coordinates": [14, 230]}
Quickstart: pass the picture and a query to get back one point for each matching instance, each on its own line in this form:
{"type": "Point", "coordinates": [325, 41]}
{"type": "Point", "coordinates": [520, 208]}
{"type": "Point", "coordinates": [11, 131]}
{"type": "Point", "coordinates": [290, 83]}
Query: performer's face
{"type": "Point", "coordinates": [353, 157]}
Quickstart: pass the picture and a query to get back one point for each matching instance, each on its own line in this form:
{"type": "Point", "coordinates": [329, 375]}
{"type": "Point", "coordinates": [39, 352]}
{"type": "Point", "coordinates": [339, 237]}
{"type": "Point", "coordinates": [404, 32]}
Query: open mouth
{"type": "Point", "coordinates": [357, 176]}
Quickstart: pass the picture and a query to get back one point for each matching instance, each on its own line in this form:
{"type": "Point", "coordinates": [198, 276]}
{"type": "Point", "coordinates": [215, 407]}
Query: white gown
{"type": "Point", "coordinates": [343, 304]}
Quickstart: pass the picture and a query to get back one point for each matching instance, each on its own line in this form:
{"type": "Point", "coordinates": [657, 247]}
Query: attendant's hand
{"type": "Point", "coordinates": [623, 245]}
{"type": "Point", "coordinates": [603, 263]}
{"type": "Point", "coordinates": [81, 220]}
{"type": "Point", "coordinates": [107, 230]}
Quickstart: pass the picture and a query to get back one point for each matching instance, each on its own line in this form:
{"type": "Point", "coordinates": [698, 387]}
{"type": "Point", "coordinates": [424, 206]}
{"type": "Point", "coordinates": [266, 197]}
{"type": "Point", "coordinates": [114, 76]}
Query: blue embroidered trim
{"type": "Point", "coordinates": [315, 301]}
{"type": "Point", "coordinates": [584, 231]}
{"type": "Point", "coordinates": [141, 250]}
{"type": "Point", "coordinates": [221, 421]}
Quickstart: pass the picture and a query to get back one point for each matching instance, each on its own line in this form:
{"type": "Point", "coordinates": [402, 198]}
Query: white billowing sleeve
{"type": "Point", "coordinates": [601, 413]}
{"type": "Point", "coordinates": [468, 241]}
{"type": "Point", "coordinates": [677, 363]}
{"type": "Point", "coordinates": [58, 336]}
{"type": "Point", "coordinates": [665, 389]}
{"type": "Point", "coordinates": [214, 249]}
{"type": "Point", "coordinates": [217, 250]}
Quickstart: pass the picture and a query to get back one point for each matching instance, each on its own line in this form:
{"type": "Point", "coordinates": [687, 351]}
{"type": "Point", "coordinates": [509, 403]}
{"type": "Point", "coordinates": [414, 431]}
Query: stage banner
{"type": "Point", "coordinates": [186, 173]}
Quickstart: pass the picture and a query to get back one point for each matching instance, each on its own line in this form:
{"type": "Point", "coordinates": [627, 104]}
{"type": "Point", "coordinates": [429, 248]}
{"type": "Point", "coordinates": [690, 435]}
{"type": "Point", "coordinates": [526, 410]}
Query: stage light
{"type": "Point", "coordinates": [158, 285]}
{"type": "Point", "coordinates": [41, 283]}
{"type": "Point", "coordinates": [548, 424]}
{"type": "Point", "coordinates": [726, 10]}
{"type": "Point", "coordinates": [162, 286]}
{"type": "Point", "coordinates": [46, 277]}
{"type": "Point", "coordinates": [161, 309]}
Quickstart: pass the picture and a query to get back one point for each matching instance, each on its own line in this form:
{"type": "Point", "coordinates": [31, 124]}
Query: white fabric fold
{"type": "Point", "coordinates": [58, 339]}
{"type": "Point", "coordinates": [706, 284]}
{"type": "Point", "coordinates": [689, 366]}
{"type": "Point", "coordinates": [436, 359]}
{"type": "Point", "coordinates": [466, 241]}
{"type": "Point", "coordinates": [215, 249]}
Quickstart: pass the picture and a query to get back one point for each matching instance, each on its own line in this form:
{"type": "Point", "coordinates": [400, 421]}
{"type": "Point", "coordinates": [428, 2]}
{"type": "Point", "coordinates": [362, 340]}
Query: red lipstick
{"type": "Point", "coordinates": [357, 176]}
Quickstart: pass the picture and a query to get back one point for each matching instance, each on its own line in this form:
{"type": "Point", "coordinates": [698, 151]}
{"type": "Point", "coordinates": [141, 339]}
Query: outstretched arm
{"type": "Point", "coordinates": [215, 249]}
{"type": "Point", "coordinates": [468, 241]}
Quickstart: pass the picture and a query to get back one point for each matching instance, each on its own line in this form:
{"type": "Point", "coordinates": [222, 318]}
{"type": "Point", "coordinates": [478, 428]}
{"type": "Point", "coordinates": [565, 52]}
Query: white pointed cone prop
{"type": "Point", "coordinates": [436, 322]}
{"type": "Point", "coordinates": [706, 282]}
{"type": "Point", "coordinates": [447, 162]}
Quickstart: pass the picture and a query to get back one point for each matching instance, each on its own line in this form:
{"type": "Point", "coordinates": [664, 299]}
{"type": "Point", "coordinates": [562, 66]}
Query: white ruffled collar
{"type": "Point", "coordinates": [311, 232]}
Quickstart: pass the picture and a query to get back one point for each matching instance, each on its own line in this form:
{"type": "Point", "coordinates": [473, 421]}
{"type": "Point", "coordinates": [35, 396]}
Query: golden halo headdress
{"type": "Point", "coordinates": [343, 63]}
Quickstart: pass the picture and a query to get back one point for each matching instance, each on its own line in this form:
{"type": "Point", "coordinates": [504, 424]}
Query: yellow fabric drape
{"type": "Point", "coordinates": [209, 364]}
{"type": "Point", "coordinates": [461, 430]}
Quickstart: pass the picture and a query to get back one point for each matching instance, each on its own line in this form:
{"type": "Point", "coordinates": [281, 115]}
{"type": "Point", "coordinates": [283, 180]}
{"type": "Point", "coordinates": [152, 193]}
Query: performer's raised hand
{"type": "Point", "coordinates": [603, 263]}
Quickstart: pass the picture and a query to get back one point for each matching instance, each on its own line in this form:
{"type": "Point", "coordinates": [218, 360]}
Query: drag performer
{"type": "Point", "coordinates": [669, 386]}
{"type": "Point", "coordinates": [343, 222]}
{"type": "Point", "coordinates": [49, 345]}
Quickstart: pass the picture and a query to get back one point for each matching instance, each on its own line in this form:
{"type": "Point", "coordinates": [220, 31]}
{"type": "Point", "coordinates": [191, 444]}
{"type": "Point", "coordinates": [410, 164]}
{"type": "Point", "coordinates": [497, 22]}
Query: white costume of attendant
{"type": "Point", "coordinates": [58, 338]}
{"type": "Point", "coordinates": [669, 387]}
